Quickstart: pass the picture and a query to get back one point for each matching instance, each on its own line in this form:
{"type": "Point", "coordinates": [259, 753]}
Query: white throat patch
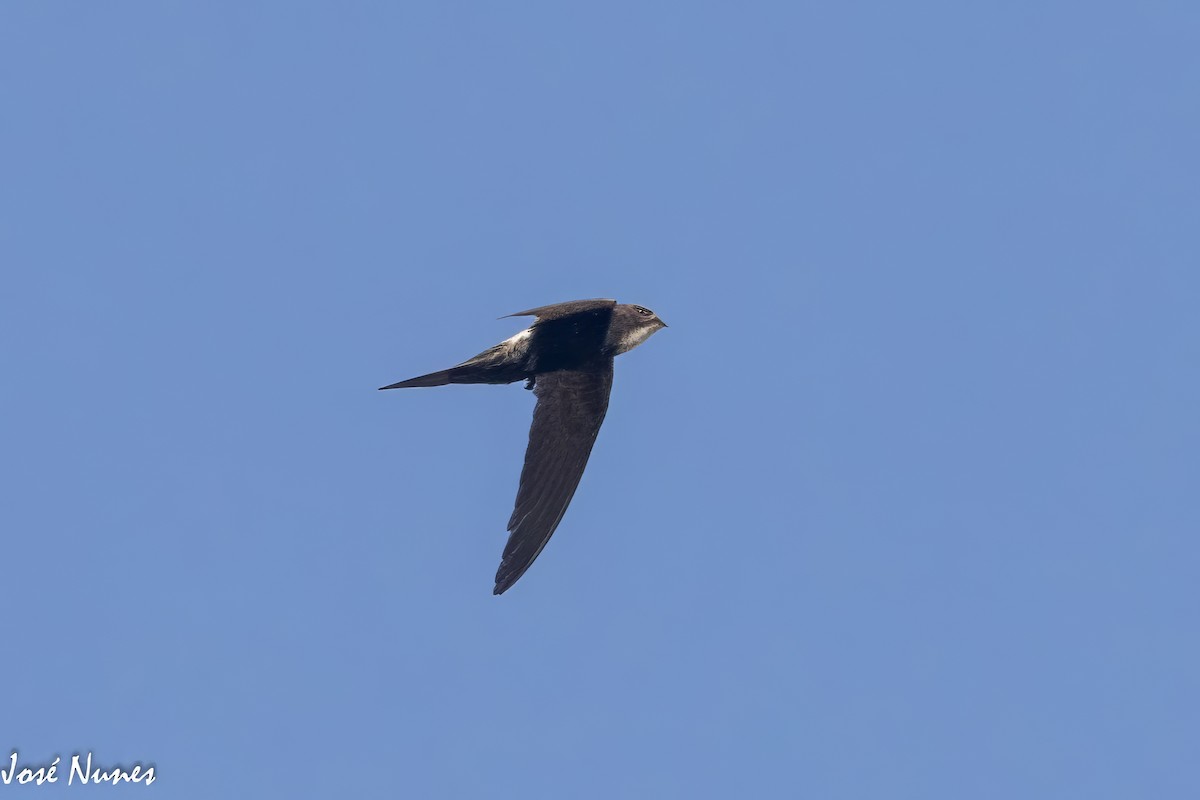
{"type": "Point", "coordinates": [633, 338]}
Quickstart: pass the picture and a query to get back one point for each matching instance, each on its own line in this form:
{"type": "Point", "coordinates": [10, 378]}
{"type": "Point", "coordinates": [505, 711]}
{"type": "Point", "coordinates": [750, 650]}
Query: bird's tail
{"type": "Point", "coordinates": [489, 366]}
{"type": "Point", "coordinates": [440, 378]}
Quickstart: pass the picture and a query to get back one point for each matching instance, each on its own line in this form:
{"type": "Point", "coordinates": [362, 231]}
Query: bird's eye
{"type": "Point", "coordinates": [645, 312]}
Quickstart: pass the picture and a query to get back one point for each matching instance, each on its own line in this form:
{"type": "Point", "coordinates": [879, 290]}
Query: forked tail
{"type": "Point", "coordinates": [477, 370]}
{"type": "Point", "coordinates": [432, 379]}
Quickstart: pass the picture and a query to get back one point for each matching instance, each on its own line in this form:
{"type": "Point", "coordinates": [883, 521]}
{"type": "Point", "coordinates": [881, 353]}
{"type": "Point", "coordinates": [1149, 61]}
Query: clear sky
{"type": "Point", "coordinates": [903, 504]}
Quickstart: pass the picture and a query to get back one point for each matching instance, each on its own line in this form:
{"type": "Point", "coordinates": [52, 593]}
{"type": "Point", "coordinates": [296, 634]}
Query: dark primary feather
{"type": "Point", "coordinates": [571, 406]}
{"type": "Point", "coordinates": [556, 310]}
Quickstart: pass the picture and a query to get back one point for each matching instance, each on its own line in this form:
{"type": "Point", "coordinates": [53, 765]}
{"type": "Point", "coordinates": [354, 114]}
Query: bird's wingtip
{"type": "Point", "coordinates": [504, 583]}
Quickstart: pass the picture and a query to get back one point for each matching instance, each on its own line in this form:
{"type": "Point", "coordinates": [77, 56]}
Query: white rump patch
{"type": "Point", "coordinates": [519, 340]}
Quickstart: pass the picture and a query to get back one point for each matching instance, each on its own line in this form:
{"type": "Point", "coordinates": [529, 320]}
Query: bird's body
{"type": "Point", "coordinates": [567, 358]}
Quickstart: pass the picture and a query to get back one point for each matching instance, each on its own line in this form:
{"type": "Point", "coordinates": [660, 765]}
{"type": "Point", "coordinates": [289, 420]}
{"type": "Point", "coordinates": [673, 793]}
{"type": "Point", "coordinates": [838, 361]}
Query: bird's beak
{"type": "Point", "coordinates": [660, 322]}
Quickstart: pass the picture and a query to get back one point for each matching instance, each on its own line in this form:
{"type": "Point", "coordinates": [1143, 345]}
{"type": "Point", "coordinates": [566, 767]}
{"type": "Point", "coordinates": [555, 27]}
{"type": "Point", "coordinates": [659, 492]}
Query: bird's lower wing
{"type": "Point", "coordinates": [570, 408]}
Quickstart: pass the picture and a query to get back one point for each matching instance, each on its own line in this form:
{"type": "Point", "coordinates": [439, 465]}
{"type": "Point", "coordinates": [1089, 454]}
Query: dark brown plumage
{"type": "Point", "coordinates": [567, 358]}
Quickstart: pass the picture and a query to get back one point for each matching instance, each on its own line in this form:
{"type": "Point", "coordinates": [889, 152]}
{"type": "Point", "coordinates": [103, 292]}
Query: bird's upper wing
{"type": "Point", "coordinates": [570, 408]}
{"type": "Point", "coordinates": [558, 310]}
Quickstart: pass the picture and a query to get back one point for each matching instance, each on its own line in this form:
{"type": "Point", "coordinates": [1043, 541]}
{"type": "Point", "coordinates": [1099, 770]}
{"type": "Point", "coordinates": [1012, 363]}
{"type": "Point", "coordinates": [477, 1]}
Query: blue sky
{"type": "Point", "coordinates": [903, 504]}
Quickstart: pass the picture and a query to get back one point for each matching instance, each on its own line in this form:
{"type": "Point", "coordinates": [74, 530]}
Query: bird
{"type": "Point", "coordinates": [566, 359]}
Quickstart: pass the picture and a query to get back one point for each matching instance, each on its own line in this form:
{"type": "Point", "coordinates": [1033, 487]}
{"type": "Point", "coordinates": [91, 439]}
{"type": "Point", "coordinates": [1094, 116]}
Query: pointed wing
{"type": "Point", "coordinates": [570, 408]}
{"type": "Point", "coordinates": [558, 310]}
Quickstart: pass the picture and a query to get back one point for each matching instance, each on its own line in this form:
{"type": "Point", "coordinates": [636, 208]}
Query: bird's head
{"type": "Point", "coordinates": [631, 325]}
